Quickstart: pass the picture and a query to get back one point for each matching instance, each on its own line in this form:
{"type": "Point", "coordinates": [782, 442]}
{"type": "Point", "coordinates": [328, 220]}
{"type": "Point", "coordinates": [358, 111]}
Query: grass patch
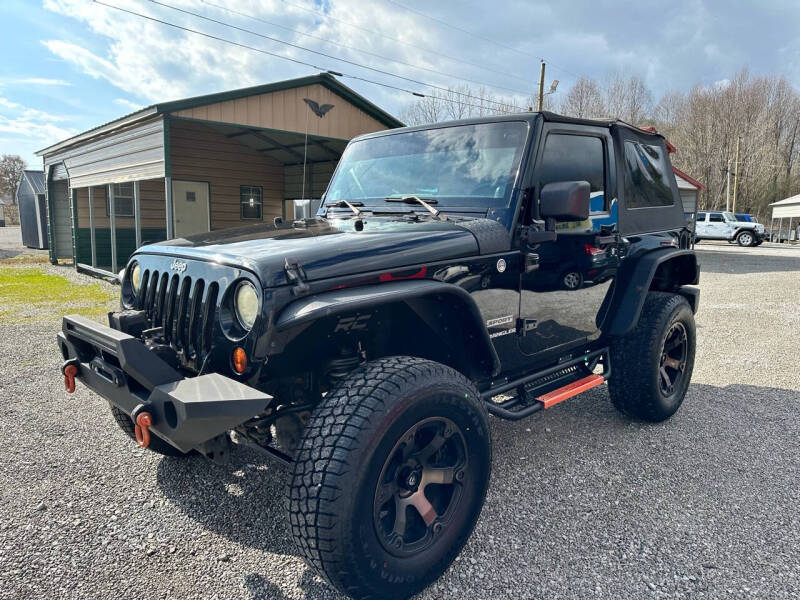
{"type": "Point", "coordinates": [30, 294]}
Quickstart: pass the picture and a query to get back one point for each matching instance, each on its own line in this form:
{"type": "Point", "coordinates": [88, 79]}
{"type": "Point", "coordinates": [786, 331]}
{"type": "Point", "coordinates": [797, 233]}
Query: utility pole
{"type": "Point", "coordinates": [728, 187]}
{"type": "Point", "coordinates": [541, 88]}
{"type": "Point", "coordinates": [736, 174]}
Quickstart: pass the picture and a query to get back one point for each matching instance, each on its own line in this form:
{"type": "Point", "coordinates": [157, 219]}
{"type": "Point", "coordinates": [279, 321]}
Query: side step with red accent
{"type": "Point", "coordinates": [571, 389]}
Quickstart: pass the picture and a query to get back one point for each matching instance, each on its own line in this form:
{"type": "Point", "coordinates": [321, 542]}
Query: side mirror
{"type": "Point", "coordinates": [565, 201]}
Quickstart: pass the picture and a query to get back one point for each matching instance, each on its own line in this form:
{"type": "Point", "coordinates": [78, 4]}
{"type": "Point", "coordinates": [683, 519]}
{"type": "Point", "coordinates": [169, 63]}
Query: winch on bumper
{"type": "Point", "coordinates": [186, 412]}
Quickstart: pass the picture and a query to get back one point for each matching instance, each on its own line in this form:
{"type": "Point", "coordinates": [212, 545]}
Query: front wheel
{"type": "Point", "coordinates": [652, 365]}
{"type": "Point", "coordinates": [390, 477]}
{"type": "Point", "coordinates": [745, 238]}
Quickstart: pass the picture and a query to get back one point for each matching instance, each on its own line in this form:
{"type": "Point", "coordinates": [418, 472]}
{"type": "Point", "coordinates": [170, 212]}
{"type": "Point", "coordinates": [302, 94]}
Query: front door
{"type": "Point", "coordinates": [717, 227]}
{"type": "Point", "coordinates": [190, 203]}
{"type": "Point", "coordinates": [561, 299]}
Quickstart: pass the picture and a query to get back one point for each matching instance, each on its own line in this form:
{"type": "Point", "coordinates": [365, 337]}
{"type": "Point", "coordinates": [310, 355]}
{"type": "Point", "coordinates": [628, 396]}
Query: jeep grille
{"type": "Point", "coordinates": [186, 309]}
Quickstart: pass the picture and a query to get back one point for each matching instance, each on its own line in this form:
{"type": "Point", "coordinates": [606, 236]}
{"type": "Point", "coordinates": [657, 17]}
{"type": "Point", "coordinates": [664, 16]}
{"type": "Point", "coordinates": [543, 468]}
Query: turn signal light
{"type": "Point", "coordinates": [239, 360]}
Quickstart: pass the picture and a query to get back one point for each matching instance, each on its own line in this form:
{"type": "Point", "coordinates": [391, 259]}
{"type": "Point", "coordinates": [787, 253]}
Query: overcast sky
{"type": "Point", "coordinates": [69, 65]}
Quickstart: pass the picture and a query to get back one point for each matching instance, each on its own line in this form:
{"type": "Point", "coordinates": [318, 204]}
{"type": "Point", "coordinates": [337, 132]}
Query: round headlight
{"type": "Point", "coordinates": [136, 277]}
{"type": "Point", "coordinates": [246, 304]}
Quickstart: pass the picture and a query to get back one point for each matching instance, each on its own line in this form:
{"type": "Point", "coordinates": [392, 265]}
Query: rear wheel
{"type": "Point", "coordinates": [390, 477]}
{"type": "Point", "coordinates": [157, 445]}
{"type": "Point", "coordinates": [652, 365]}
{"type": "Point", "coordinates": [572, 280]}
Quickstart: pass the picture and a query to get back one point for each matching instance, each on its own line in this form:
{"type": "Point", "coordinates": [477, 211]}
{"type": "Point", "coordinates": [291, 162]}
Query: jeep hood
{"type": "Point", "coordinates": [325, 248]}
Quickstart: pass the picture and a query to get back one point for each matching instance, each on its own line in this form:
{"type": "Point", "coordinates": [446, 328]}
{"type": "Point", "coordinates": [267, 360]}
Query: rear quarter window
{"type": "Point", "coordinates": [646, 176]}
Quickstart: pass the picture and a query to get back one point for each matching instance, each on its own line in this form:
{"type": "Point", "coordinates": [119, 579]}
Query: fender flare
{"type": "Point", "coordinates": [298, 315]}
{"type": "Point", "coordinates": [633, 284]}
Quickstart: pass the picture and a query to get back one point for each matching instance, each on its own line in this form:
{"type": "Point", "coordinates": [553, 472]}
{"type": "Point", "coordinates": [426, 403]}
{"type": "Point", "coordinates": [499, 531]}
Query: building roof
{"type": "Point", "coordinates": [324, 79]}
{"type": "Point", "coordinates": [35, 179]}
{"type": "Point", "coordinates": [686, 182]}
{"type": "Point", "coordinates": [787, 201]}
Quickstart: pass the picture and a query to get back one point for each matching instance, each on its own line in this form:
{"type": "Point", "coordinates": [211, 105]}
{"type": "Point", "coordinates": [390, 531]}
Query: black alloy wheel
{"type": "Point", "coordinates": [673, 359]}
{"type": "Point", "coordinates": [420, 486]}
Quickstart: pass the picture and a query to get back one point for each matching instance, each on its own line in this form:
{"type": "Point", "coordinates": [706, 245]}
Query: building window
{"type": "Point", "coordinates": [123, 200]}
{"type": "Point", "coordinates": [250, 196]}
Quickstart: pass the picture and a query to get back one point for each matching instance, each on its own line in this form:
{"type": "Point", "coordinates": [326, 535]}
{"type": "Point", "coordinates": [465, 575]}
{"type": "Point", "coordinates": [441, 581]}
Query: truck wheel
{"type": "Point", "coordinates": [652, 365]}
{"type": "Point", "coordinates": [157, 445]}
{"type": "Point", "coordinates": [745, 238]}
{"type": "Point", "coordinates": [390, 477]}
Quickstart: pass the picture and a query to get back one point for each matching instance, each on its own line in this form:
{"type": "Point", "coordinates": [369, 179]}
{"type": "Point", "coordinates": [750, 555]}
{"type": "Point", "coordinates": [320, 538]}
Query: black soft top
{"type": "Point", "coordinates": [530, 117]}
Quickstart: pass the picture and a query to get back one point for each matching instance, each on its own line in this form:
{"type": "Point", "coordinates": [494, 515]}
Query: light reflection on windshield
{"type": "Point", "coordinates": [464, 165]}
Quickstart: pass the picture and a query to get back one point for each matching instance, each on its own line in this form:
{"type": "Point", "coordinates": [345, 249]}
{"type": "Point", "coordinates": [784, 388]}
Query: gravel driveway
{"type": "Point", "coordinates": [583, 503]}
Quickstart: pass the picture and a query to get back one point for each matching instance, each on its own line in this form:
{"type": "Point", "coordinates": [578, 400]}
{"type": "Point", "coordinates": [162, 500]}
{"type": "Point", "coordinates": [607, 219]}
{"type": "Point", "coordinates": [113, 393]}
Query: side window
{"type": "Point", "coordinates": [575, 158]}
{"type": "Point", "coordinates": [646, 173]}
{"type": "Point", "coordinates": [701, 217]}
{"type": "Point", "coordinates": [716, 218]}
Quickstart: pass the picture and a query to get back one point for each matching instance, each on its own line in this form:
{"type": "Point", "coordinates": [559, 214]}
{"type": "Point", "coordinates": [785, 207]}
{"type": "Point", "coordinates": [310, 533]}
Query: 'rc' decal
{"type": "Point", "coordinates": [352, 323]}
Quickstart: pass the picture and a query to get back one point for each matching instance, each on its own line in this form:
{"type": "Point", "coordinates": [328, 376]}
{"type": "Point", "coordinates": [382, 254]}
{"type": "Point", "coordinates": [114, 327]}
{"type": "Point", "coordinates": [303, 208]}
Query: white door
{"type": "Point", "coordinates": [190, 204]}
{"type": "Point", "coordinates": [717, 227]}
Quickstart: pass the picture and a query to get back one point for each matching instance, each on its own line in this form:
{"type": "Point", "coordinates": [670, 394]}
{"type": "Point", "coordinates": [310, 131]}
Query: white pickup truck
{"type": "Point", "coordinates": [724, 226]}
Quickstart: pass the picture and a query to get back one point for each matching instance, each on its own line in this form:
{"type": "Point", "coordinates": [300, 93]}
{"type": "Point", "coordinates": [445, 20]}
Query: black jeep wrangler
{"type": "Point", "coordinates": [366, 347]}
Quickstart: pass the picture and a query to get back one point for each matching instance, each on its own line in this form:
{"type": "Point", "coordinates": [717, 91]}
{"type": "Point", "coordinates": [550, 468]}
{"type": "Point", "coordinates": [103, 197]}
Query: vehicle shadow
{"type": "Point", "coordinates": [735, 432]}
{"type": "Point", "coordinates": [242, 501]}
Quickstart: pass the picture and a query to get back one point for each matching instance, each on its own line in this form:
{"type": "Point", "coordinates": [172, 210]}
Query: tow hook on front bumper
{"type": "Point", "coordinates": [70, 370]}
{"type": "Point", "coordinates": [142, 428]}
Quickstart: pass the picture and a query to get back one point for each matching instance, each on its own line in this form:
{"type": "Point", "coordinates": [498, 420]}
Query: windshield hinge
{"type": "Point", "coordinates": [296, 276]}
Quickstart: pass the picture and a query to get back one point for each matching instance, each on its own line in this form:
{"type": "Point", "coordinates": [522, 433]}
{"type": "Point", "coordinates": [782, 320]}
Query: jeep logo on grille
{"type": "Point", "coordinates": [178, 265]}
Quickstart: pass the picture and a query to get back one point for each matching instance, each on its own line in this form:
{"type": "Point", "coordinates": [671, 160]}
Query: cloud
{"type": "Point", "coordinates": [686, 43]}
{"type": "Point", "coordinates": [132, 106]}
{"type": "Point", "coordinates": [25, 130]}
{"type": "Point", "coordinates": [41, 81]}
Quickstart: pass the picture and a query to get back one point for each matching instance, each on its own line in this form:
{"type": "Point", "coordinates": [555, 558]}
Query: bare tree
{"type": "Point", "coordinates": [584, 99]}
{"type": "Point", "coordinates": [460, 102]}
{"type": "Point", "coordinates": [11, 167]}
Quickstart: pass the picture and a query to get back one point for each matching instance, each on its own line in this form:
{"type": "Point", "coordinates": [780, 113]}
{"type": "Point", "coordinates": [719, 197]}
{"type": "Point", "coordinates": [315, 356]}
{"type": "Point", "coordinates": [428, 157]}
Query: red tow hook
{"type": "Point", "coordinates": [142, 428]}
{"type": "Point", "coordinates": [70, 371]}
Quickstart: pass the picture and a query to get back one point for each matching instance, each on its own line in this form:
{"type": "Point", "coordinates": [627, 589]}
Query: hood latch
{"type": "Point", "coordinates": [296, 276]}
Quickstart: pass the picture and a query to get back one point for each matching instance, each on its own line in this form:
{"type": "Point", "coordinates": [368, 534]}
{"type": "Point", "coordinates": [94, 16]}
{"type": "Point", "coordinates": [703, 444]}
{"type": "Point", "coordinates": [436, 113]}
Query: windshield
{"type": "Point", "coordinates": [730, 216]}
{"type": "Point", "coordinates": [460, 166]}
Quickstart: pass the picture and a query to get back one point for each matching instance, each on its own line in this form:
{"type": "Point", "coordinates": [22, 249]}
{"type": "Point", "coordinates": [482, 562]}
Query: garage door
{"type": "Point", "coordinates": [62, 219]}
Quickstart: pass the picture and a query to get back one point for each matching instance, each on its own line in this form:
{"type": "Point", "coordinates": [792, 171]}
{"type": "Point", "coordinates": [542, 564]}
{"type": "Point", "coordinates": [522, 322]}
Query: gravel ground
{"type": "Point", "coordinates": [583, 503]}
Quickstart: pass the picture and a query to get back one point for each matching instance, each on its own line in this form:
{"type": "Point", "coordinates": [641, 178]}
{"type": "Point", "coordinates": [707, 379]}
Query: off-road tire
{"type": "Point", "coordinates": [157, 445]}
{"type": "Point", "coordinates": [635, 384]}
{"type": "Point", "coordinates": [340, 464]}
{"type": "Point", "coordinates": [746, 238]}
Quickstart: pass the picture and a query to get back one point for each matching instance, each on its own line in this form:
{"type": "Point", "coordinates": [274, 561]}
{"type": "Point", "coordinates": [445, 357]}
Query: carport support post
{"type": "Point", "coordinates": [170, 216]}
{"type": "Point", "coordinates": [91, 226]}
{"type": "Point", "coordinates": [137, 212]}
{"type": "Point", "coordinates": [111, 221]}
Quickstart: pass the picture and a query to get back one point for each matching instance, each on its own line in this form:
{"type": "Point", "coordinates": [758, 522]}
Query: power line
{"type": "Point", "coordinates": [362, 50]}
{"type": "Point", "coordinates": [477, 35]}
{"type": "Point", "coordinates": [344, 60]}
{"type": "Point", "coordinates": [275, 55]}
{"type": "Point", "coordinates": [414, 45]}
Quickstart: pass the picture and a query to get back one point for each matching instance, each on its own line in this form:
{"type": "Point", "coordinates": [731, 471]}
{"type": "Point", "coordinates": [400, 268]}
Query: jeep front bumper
{"type": "Point", "coordinates": [186, 412]}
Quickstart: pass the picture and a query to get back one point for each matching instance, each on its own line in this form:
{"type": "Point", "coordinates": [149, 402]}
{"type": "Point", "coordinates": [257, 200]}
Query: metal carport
{"type": "Point", "coordinates": [211, 162]}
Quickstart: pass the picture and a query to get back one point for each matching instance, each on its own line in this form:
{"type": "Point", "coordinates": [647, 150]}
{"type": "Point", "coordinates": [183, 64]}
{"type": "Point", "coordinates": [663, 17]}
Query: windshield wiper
{"type": "Point", "coordinates": [351, 205]}
{"type": "Point", "coordinates": [410, 199]}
